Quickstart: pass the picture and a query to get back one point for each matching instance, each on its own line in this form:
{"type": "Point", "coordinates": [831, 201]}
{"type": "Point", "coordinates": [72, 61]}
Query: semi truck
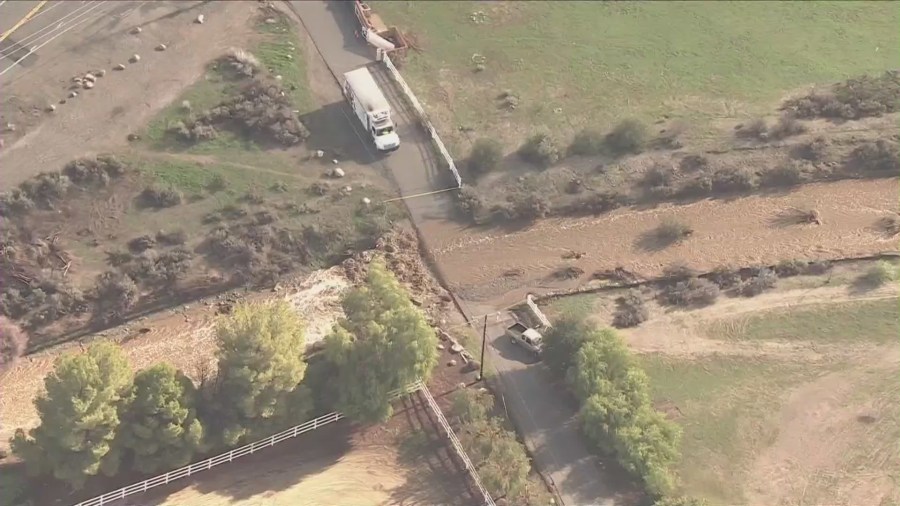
{"type": "Point", "coordinates": [371, 108]}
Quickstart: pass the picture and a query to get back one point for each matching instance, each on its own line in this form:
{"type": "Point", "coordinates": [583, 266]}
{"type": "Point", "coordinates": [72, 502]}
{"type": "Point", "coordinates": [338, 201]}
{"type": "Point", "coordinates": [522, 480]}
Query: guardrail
{"type": "Point", "coordinates": [488, 501]}
{"type": "Point", "coordinates": [205, 465]}
{"type": "Point", "coordinates": [423, 117]}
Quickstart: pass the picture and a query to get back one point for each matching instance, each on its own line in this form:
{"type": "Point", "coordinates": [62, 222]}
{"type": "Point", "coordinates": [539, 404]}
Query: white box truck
{"type": "Point", "coordinates": [371, 108]}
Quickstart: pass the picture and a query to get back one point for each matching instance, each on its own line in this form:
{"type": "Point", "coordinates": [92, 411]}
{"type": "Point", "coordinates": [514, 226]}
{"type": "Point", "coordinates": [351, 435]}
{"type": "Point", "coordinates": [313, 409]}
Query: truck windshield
{"type": "Point", "coordinates": [384, 131]}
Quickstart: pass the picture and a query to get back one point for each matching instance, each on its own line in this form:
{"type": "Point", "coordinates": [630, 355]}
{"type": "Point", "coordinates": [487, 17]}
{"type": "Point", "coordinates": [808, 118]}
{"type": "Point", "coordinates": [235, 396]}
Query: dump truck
{"type": "Point", "coordinates": [526, 337]}
{"type": "Point", "coordinates": [371, 108]}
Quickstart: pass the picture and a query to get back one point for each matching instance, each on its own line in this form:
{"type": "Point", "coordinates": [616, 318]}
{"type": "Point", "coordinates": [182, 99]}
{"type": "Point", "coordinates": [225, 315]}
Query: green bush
{"type": "Point", "coordinates": [789, 174]}
{"type": "Point", "coordinates": [485, 155]}
{"type": "Point", "coordinates": [692, 292]}
{"type": "Point", "coordinates": [540, 149]}
{"type": "Point", "coordinates": [787, 126]}
{"type": "Point", "coordinates": [629, 136]}
{"type": "Point", "coordinates": [732, 180]}
{"type": "Point", "coordinates": [764, 280]}
{"type": "Point", "coordinates": [877, 275]}
{"type": "Point", "coordinates": [160, 196]}
{"type": "Point", "coordinates": [630, 311]}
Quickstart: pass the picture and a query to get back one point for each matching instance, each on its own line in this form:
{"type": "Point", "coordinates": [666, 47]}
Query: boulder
{"type": "Point", "coordinates": [135, 58]}
{"type": "Point", "coordinates": [120, 66]}
{"type": "Point", "coordinates": [73, 94]}
{"type": "Point", "coordinates": [200, 19]}
{"type": "Point", "coordinates": [161, 47]}
{"type": "Point", "coordinates": [88, 85]}
{"type": "Point", "coordinates": [338, 172]}
{"type": "Point", "coordinates": [100, 73]}
{"type": "Point", "coordinates": [136, 30]}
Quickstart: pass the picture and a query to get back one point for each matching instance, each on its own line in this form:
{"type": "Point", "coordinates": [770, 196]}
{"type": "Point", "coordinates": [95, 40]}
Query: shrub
{"type": "Point", "coordinates": [764, 280]}
{"type": "Point", "coordinates": [852, 99]}
{"type": "Point", "coordinates": [160, 197]}
{"type": "Point", "coordinates": [587, 142]}
{"type": "Point", "coordinates": [671, 231]}
{"type": "Point", "coordinates": [756, 129]}
{"type": "Point", "coordinates": [815, 150]}
{"type": "Point", "coordinates": [818, 267]}
{"type": "Point", "coordinates": [725, 277]}
{"type": "Point", "coordinates": [878, 156]}
{"type": "Point", "coordinates": [700, 186]}
{"type": "Point", "coordinates": [319, 188]}
{"type": "Point", "coordinates": [217, 183]}
{"type": "Point", "coordinates": [658, 175]}
{"type": "Point", "coordinates": [540, 149]}
{"type": "Point", "coordinates": [469, 202]}
{"type": "Point", "coordinates": [174, 238]}
{"type": "Point", "coordinates": [630, 310]}
{"type": "Point", "coordinates": [877, 275]}
{"type": "Point", "coordinates": [788, 268]}
{"type": "Point", "coordinates": [694, 162]}
{"type": "Point", "coordinates": [691, 292]}
{"type": "Point", "coordinates": [242, 61]}
{"type": "Point", "coordinates": [485, 155]}
{"type": "Point", "coordinates": [13, 342]}
{"type": "Point", "coordinates": [524, 206]}
{"type": "Point", "coordinates": [46, 188]}
{"type": "Point", "coordinates": [629, 136]}
{"type": "Point", "coordinates": [142, 243]}
{"type": "Point", "coordinates": [596, 203]}
{"type": "Point", "coordinates": [732, 180]}
{"type": "Point", "coordinates": [789, 174]}
{"type": "Point", "coordinates": [787, 126]}
{"type": "Point", "coordinates": [115, 294]}
{"type": "Point", "coordinates": [94, 171]}
{"type": "Point", "coordinates": [678, 271]}
{"type": "Point", "coordinates": [15, 202]}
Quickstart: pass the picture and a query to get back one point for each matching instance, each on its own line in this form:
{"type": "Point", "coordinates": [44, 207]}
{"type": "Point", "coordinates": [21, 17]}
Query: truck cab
{"type": "Point", "coordinates": [526, 337]}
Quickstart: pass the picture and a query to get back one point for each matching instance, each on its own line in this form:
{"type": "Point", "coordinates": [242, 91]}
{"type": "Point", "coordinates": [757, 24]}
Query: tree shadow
{"type": "Point", "coordinates": [656, 240]}
{"type": "Point", "coordinates": [437, 466]}
{"type": "Point", "coordinates": [269, 470]}
{"type": "Point", "coordinates": [795, 216]}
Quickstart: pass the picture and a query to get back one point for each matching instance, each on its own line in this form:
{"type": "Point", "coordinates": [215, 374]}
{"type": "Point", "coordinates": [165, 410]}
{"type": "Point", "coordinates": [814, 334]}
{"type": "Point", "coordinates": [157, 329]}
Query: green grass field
{"type": "Point", "coordinates": [728, 412]}
{"type": "Point", "coordinates": [866, 321]}
{"type": "Point", "coordinates": [576, 64]}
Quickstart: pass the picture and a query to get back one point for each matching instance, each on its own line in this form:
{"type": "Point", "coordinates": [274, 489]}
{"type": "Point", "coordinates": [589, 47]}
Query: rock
{"type": "Point", "coordinates": [161, 47]}
{"type": "Point", "coordinates": [88, 85]}
{"type": "Point", "coordinates": [51, 108]}
{"type": "Point", "coordinates": [120, 66]}
{"type": "Point", "coordinates": [200, 19]}
{"type": "Point", "coordinates": [456, 348]}
{"type": "Point", "coordinates": [271, 21]}
{"type": "Point", "coordinates": [367, 201]}
{"type": "Point", "coordinates": [135, 58]}
{"type": "Point", "coordinates": [319, 153]}
{"type": "Point", "coordinates": [347, 189]}
{"type": "Point", "coordinates": [73, 94]}
{"type": "Point", "coordinates": [134, 137]}
{"type": "Point", "coordinates": [278, 77]}
{"type": "Point", "coordinates": [440, 346]}
{"type": "Point", "coordinates": [62, 101]}
{"type": "Point", "coordinates": [100, 73]}
{"type": "Point", "coordinates": [136, 30]}
{"type": "Point", "coordinates": [337, 172]}
{"type": "Point", "coordinates": [334, 162]}
{"type": "Point", "coordinates": [451, 363]}
{"type": "Point", "coordinates": [89, 77]}
{"type": "Point", "coordinates": [277, 287]}
{"type": "Point", "coordinates": [77, 79]}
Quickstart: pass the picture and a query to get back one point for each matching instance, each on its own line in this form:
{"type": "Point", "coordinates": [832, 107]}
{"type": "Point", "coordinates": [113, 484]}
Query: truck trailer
{"type": "Point", "coordinates": [371, 108]}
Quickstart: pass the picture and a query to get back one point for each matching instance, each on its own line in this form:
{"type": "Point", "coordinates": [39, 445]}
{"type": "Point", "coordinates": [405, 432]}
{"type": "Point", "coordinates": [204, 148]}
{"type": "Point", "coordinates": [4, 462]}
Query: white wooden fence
{"type": "Point", "coordinates": [204, 465]}
{"type": "Point", "coordinates": [423, 117]}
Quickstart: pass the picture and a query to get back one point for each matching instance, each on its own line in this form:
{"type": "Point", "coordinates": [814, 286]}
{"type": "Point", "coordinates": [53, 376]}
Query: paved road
{"type": "Point", "coordinates": [547, 420]}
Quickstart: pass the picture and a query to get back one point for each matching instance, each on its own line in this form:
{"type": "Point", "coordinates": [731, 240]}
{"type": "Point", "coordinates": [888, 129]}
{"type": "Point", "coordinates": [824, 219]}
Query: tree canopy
{"type": "Point", "coordinates": [79, 415]}
{"type": "Point", "coordinates": [159, 427]}
{"type": "Point", "coordinates": [261, 363]}
{"type": "Point", "coordinates": [384, 343]}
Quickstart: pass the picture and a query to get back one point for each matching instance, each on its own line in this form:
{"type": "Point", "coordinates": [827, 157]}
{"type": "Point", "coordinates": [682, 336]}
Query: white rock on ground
{"type": "Point", "coordinates": [161, 47]}
{"type": "Point", "coordinates": [136, 30]}
{"type": "Point", "coordinates": [100, 73]}
{"type": "Point", "coordinates": [120, 66]}
{"type": "Point", "coordinates": [338, 172]}
{"type": "Point", "coordinates": [73, 94]}
{"type": "Point", "coordinates": [135, 58]}
{"type": "Point", "coordinates": [88, 85]}
{"type": "Point", "coordinates": [200, 19]}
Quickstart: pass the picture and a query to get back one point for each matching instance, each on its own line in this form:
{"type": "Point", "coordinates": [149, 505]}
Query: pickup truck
{"type": "Point", "coordinates": [526, 337]}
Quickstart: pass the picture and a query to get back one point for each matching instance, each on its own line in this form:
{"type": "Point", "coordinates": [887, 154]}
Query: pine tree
{"type": "Point", "coordinates": [79, 416]}
{"type": "Point", "coordinates": [261, 363]}
{"type": "Point", "coordinates": [159, 427]}
{"type": "Point", "coordinates": [383, 344]}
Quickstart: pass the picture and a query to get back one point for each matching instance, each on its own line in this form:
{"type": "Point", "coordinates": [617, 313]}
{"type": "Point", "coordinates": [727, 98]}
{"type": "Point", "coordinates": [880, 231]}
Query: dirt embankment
{"type": "Point", "coordinates": [499, 266]}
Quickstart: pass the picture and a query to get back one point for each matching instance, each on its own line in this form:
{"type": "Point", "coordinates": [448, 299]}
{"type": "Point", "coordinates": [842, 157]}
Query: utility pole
{"type": "Point", "coordinates": [483, 343]}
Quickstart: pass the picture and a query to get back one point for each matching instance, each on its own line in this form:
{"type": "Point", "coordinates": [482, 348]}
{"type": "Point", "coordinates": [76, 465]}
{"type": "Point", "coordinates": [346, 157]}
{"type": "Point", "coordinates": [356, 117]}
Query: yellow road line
{"type": "Point", "coordinates": [23, 20]}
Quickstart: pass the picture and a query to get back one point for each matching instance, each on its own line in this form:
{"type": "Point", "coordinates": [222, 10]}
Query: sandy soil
{"type": "Point", "coordinates": [99, 120]}
{"type": "Point", "coordinates": [743, 231]}
{"type": "Point", "coordinates": [182, 337]}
